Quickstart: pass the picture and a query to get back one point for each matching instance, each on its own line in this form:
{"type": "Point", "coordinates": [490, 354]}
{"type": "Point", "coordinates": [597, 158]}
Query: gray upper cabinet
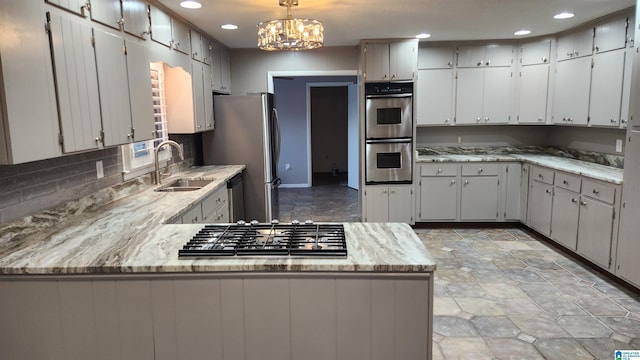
{"type": "Point", "coordinates": [135, 15]}
{"type": "Point", "coordinates": [485, 55]}
{"type": "Point", "coordinates": [78, 7]}
{"type": "Point", "coordinates": [141, 97]}
{"type": "Point", "coordinates": [575, 45]}
{"type": "Point", "coordinates": [607, 77]}
{"type": "Point", "coordinates": [534, 86]}
{"type": "Point", "coordinates": [627, 264]}
{"type": "Point", "coordinates": [434, 90]}
{"type": "Point", "coordinates": [571, 97]}
{"type": "Point", "coordinates": [28, 119]}
{"type": "Point", "coordinates": [77, 84]}
{"type": "Point", "coordinates": [536, 52]}
{"type": "Point", "coordinates": [438, 57]}
{"type": "Point", "coordinates": [196, 45]}
{"type": "Point", "coordinates": [180, 36]}
{"type": "Point", "coordinates": [611, 35]}
{"type": "Point", "coordinates": [390, 61]}
{"type": "Point", "coordinates": [160, 26]}
{"type": "Point", "coordinates": [220, 69]}
{"type": "Point", "coordinates": [107, 12]}
{"type": "Point", "coordinates": [483, 95]}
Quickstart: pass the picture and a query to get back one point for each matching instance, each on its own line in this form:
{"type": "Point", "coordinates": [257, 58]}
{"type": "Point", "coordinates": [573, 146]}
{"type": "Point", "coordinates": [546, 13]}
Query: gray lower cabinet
{"type": "Point", "coordinates": [479, 198]}
{"type": "Point", "coordinates": [628, 248]}
{"type": "Point", "coordinates": [214, 208]}
{"type": "Point", "coordinates": [389, 203]}
{"type": "Point", "coordinates": [540, 203]}
{"type": "Point", "coordinates": [564, 222]}
{"type": "Point", "coordinates": [510, 191]}
{"type": "Point", "coordinates": [438, 185]}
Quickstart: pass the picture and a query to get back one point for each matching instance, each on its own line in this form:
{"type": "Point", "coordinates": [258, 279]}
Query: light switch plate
{"type": "Point", "coordinates": [619, 145]}
{"type": "Point", "coordinates": [99, 169]}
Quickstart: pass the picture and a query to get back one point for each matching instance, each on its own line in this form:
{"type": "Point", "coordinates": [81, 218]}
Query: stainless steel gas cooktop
{"type": "Point", "coordinates": [293, 239]}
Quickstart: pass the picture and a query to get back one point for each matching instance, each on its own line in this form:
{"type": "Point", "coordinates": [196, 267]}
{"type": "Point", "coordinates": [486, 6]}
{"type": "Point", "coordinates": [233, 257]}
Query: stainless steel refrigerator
{"type": "Point", "coordinates": [247, 132]}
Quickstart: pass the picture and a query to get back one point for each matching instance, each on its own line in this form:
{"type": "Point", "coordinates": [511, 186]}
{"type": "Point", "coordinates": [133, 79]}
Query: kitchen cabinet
{"type": "Point", "coordinates": [76, 83]}
{"type": "Point", "coordinates": [483, 95]}
{"type": "Point", "coordinates": [202, 96]}
{"type": "Point", "coordinates": [189, 105]}
{"type": "Point", "coordinates": [140, 91]}
{"type": "Point", "coordinates": [220, 69]}
{"type": "Point", "coordinates": [611, 35]}
{"type": "Point", "coordinates": [437, 57]}
{"type": "Point", "coordinates": [390, 61]}
{"type": "Point", "coordinates": [78, 7]}
{"type": "Point", "coordinates": [438, 187]}
{"type": "Point", "coordinates": [214, 208]}
{"type": "Point", "coordinates": [169, 31]}
{"type": "Point", "coordinates": [107, 12]}
{"type": "Point", "coordinates": [607, 78]}
{"type": "Point", "coordinates": [524, 192]}
{"type": "Point", "coordinates": [479, 192]}
{"type": "Point", "coordinates": [135, 16]}
{"type": "Point", "coordinates": [484, 55]}
{"type": "Point", "coordinates": [434, 97]}
{"type": "Point", "coordinates": [535, 52]}
{"type": "Point", "coordinates": [628, 246]}
{"type": "Point", "coordinates": [197, 51]}
{"type": "Point", "coordinates": [540, 200]}
{"type": "Point", "coordinates": [511, 189]}
{"type": "Point", "coordinates": [532, 98]}
{"type": "Point", "coordinates": [565, 210]}
{"type": "Point", "coordinates": [28, 120]}
{"type": "Point", "coordinates": [575, 45]}
{"type": "Point", "coordinates": [572, 89]}
{"type": "Point", "coordinates": [389, 204]}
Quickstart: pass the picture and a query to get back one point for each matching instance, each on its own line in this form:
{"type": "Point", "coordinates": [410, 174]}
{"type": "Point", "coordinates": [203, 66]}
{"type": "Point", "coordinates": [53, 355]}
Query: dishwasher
{"type": "Point", "coordinates": [236, 198]}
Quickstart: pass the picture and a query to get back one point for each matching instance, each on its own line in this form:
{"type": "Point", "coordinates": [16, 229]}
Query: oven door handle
{"type": "Point", "coordinates": [386, 96]}
{"type": "Point", "coordinates": [389, 141]}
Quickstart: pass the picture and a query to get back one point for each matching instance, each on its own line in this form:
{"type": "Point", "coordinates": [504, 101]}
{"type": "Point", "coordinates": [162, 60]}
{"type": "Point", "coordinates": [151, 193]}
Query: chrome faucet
{"type": "Point", "coordinates": [157, 150]}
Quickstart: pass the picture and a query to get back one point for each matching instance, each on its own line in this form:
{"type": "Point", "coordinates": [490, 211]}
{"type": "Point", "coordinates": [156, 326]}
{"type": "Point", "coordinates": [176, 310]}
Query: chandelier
{"type": "Point", "coordinates": [290, 33]}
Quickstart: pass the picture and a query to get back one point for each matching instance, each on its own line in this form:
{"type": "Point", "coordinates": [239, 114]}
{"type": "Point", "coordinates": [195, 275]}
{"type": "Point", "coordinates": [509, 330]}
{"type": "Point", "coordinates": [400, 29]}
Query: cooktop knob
{"type": "Point", "coordinates": [240, 222]}
{"type": "Point", "coordinates": [295, 222]}
{"type": "Point", "coordinates": [275, 221]}
{"type": "Point", "coordinates": [308, 222]}
{"type": "Point", "coordinates": [254, 222]}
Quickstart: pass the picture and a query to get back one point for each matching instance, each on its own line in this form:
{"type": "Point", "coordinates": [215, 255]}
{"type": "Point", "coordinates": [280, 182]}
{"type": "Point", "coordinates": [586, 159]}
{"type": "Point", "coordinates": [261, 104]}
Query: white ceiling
{"type": "Point", "coordinates": [348, 21]}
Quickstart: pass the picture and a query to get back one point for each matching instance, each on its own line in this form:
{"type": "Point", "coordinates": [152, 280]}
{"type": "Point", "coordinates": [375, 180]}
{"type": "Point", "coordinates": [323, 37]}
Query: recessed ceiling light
{"type": "Point", "coordinates": [423, 36]}
{"type": "Point", "coordinates": [522, 32]}
{"type": "Point", "coordinates": [563, 15]}
{"type": "Point", "coordinates": [229, 26]}
{"type": "Point", "coordinates": [190, 4]}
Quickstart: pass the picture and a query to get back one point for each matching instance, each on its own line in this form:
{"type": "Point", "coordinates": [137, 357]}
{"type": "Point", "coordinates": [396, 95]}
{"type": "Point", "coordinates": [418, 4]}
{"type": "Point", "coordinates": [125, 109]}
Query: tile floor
{"type": "Point", "coordinates": [501, 293]}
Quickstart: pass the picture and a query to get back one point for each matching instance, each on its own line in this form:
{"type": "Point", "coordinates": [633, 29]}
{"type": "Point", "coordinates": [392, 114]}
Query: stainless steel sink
{"type": "Point", "coordinates": [185, 185]}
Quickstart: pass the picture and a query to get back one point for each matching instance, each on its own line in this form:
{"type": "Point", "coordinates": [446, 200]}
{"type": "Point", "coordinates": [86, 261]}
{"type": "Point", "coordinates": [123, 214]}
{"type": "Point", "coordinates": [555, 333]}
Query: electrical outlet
{"type": "Point", "coordinates": [619, 145]}
{"type": "Point", "coordinates": [459, 139]}
{"type": "Point", "coordinates": [99, 169]}
{"type": "Point", "coordinates": [287, 166]}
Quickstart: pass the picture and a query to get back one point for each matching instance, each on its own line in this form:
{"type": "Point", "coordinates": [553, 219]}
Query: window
{"type": "Point", "coordinates": [138, 158]}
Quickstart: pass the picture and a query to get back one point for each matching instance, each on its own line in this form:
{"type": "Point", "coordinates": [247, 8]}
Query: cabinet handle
{"type": "Point", "coordinates": [597, 49]}
{"type": "Point", "coordinates": [524, 170]}
{"type": "Point", "coordinates": [449, 64]}
{"type": "Point", "coordinates": [194, 220]}
{"type": "Point", "coordinates": [583, 203]}
{"type": "Point", "coordinates": [478, 119]}
{"type": "Point", "coordinates": [479, 170]}
{"type": "Point", "coordinates": [488, 62]}
{"type": "Point", "coordinates": [548, 191]}
{"type": "Point", "coordinates": [565, 182]}
{"type": "Point", "coordinates": [569, 54]}
{"type": "Point", "coordinates": [453, 181]}
{"type": "Point", "coordinates": [392, 191]}
{"type": "Point", "coordinates": [544, 59]}
{"type": "Point", "coordinates": [574, 200]}
{"type": "Point", "coordinates": [446, 120]}
{"type": "Point", "coordinates": [439, 170]}
{"type": "Point", "coordinates": [384, 191]}
{"type": "Point", "coordinates": [479, 63]}
{"type": "Point", "coordinates": [539, 118]}
{"type": "Point", "coordinates": [596, 191]}
{"type": "Point", "coordinates": [486, 119]}
{"type": "Point", "coordinates": [466, 182]}
{"type": "Point", "coordinates": [540, 176]}
{"type": "Point", "coordinates": [613, 121]}
{"type": "Point", "coordinates": [576, 53]}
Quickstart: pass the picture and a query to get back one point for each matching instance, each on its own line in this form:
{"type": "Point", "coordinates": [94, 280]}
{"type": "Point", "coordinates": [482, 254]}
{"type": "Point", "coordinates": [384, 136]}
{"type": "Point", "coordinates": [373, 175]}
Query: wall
{"type": "Point", "coordinates": [291, 103]}
{"type": "Point", "coordinates": [249, 67]}
{"type": "Point", "coordinates": [329, 110]}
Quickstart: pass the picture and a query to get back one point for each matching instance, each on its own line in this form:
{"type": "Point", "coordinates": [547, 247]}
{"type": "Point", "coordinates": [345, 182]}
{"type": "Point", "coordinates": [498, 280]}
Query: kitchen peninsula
{"type": "Point", "coordinates": [101, 278]}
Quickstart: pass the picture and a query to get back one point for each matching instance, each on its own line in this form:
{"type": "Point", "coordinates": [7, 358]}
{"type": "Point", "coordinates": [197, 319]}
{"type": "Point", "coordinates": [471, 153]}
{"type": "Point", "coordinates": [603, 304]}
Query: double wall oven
{"type": "Point", "coordinates": [389, 133]}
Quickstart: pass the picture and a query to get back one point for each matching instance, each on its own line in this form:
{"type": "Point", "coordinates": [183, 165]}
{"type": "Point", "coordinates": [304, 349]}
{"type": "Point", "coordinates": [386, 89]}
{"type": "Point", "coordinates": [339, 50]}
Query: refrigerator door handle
{"type": "Point", "coordinates": [277, 123]}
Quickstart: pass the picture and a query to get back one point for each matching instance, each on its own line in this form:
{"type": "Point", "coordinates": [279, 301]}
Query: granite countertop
{"type": "Point", "coordinates": [123, 230]}
{"type": "Point", "coordinates": [586, 164]}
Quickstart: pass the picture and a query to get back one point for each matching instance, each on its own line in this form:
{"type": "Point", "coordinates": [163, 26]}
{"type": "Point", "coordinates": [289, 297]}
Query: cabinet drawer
{"type": "Point", "coordinates": [193, 215]}
{"type": "Point", "coordinates": [598, 191]}
{"type": "Point", "coordinates": [479, 169]}
{"type": "Point", "coordinates": [439, 170]}
{"type": "Point", "coordinates": [214, 201]}
{"type": "Point", "coordinates": [568, 182]}
{"type": "Point", "coordinates": [542, 174]}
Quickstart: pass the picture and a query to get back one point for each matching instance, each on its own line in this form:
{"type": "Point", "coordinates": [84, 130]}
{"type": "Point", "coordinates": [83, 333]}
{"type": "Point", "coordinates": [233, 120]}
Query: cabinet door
{"type": "Point", "coordinates": [196, 45]}
{"type": "Point", "coordinates": [498, 55]}
{"type": "Point", "coordinates": [136, 18]}
{"type": "Point", "coordinates": [536, 52]}
{"type": "Point", "coordinates": [479, 198]}
{"type": "Point", "coordinates": [606, 88]}
{"type": "Point", "coordinates": [225, 71]}
{"type": "Point", "coordinates": [107, 12]}
{"type": "Point", "coordinates": [193, 216]}
{"type": "Point", "coordinates": [539, 207]}
{"type": "Point", "coordinates": [403, 60]}
{"type": "Point", "coordinates": [216, 68]}
{"type": "Point", "coordinates": [438, 198]}
{"type": "Point", "coordinates": [564, 47]}
{"type": "Point", "coordinates": [377, 200]}
{"type": "Point", "coordinates": [139, 79]}
{"type": "Point", "coordinates": [76, 82]}
{"type": "Point", "coordinates": [434, 100]}
{"type": "Point", "coordinates": [208, 97]}
{"type": "Point", "coordinates": [524, 193]}
{"type": "Point", "coordinates": [497, 95]}
{"type": "Point", "coordinates": [160, 26]}
{"type": "Point", "coordinates": [470, 56]}
{"type": "Point", "coordinates": [532, 103]}
{"type": "Point", "coordinates": [440, 57]}
{"type": "Point", "coordinates": [197, 81]}
{"type": "Point", "coordinates": [113, 87]}
{"type": "Point", "coordinates": [206, 50]}
{"type": "Point", "coordinates": [571, 100]}
{"type": "Point", "coordinates": [512, 188]}
{"type": "Point", "coordinates": [75, 6]}
{"type": "Point", "coordinates": [180, 36]}
{"type": "Point", "coordinates": [595, 230]}
{"type": "Point", "coordinates": [628, 249]}
{"type": "Point", "coordinates": [469, 97]}
{"type": "Point", "coordinates": [564, 222]}
{"type": "Point", "coordinates": [583, 43]}
{"type": "Point", "coordinates": [401, 204]}
{"type": "Point", "coordinates": [611, 35]}
{"type": "Point", "coordinates": [376, 61]}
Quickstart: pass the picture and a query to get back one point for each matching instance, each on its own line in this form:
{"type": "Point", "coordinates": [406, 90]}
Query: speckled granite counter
{"type": "Point", "coordinates": [537, 156]}
{"type": "Point", "coordinates": [123, 230]}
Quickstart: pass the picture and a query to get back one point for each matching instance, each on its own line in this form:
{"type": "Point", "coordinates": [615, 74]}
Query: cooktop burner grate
{"type": "Point", "coordinates": [300, 240]}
